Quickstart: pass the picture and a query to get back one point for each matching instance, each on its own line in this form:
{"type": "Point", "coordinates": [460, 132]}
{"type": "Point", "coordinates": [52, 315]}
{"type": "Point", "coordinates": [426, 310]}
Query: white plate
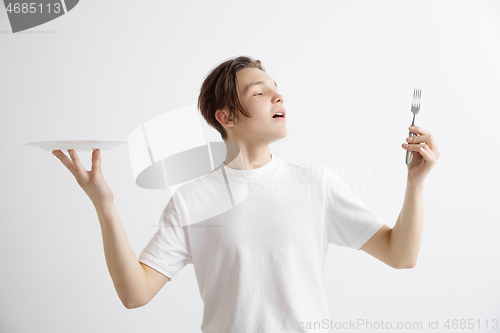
{"type": "Point", "coordinates": [64, 145]}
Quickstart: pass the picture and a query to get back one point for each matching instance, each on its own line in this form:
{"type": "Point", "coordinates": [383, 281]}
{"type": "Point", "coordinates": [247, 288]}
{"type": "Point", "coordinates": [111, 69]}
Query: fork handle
{"type": "Point", "coordinates": [409, 153]}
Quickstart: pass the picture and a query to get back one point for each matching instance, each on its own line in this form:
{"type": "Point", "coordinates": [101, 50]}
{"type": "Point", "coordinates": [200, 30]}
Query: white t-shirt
{"type": "Point", "coordinates": [258, 240]}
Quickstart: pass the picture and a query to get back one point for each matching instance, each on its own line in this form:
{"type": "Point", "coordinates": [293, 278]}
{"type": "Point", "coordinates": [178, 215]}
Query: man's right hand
{"type": "Point", "coordinates": [92, 182]}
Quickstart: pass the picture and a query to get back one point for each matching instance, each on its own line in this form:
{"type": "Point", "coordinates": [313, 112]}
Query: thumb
{"type": "Point", "coordinates": [96, 161]}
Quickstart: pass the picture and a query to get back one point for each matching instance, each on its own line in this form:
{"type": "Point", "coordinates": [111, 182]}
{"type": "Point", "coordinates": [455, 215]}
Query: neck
{"type": "Point", "coordinates": [246, 157]}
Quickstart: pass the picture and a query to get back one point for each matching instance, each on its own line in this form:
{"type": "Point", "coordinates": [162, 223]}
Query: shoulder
{"type": "Point", "coordinates": [199, 185]}
{"type": "Point", "coordinates": [201, 198]}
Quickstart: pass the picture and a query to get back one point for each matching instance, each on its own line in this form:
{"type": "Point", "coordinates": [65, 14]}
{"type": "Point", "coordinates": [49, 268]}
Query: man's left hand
{"type": "Point", "coordinates": [425, 155]}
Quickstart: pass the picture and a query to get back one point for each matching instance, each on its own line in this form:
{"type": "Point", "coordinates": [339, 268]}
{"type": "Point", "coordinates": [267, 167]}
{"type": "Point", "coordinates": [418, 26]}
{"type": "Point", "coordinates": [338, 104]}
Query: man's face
{"type": "Point", "coordinates": [259, 96]}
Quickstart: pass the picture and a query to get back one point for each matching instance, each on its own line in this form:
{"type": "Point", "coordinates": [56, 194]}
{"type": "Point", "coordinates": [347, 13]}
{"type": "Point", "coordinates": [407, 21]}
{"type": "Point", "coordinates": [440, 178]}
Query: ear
{"type": "Point", "coordinates": [223, 117]}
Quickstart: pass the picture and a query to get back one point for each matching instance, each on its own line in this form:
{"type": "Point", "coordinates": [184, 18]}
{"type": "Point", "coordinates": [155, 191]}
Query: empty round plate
{"type": "Point", "coordinates": [76, 144]}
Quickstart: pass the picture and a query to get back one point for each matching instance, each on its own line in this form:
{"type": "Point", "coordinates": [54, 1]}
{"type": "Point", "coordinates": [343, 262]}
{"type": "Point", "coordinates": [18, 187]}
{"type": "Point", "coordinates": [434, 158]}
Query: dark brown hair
{"type": "Point", "coordinates": [220, 91]}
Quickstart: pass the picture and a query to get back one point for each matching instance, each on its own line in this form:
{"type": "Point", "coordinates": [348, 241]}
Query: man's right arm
{"type": "Point", "coordinates": [135, 282]}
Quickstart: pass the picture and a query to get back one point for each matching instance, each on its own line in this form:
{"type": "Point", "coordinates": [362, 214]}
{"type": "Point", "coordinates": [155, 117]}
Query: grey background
{"type": "Point", "coordinates": [347, 70]}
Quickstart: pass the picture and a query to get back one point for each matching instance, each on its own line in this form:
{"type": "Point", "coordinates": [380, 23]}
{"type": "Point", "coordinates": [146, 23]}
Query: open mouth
{"type": "Point", "coordinates": [279, 115]}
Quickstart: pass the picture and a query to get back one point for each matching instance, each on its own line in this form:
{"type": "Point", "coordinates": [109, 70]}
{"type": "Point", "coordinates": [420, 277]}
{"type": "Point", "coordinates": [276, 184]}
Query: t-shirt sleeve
{"type": "Point", "coordinates": [168, 251]}
{"type": "Point", "coordinates": [350, 223]}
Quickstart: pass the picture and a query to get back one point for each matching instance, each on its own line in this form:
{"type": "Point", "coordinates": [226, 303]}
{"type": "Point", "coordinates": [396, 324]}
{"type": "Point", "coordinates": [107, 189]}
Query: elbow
{"type": "Point", "coordinates": [406, 265]}
{"type": "Point", "coordinates": [412, 264]}
{"type": "Point", "coordinates": [130, 304]}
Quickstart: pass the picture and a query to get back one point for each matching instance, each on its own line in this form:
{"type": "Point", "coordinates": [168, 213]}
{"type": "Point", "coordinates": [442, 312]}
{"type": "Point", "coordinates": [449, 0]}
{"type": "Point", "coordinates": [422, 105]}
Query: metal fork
{"type": "Point", "coordinates": [415, 108]}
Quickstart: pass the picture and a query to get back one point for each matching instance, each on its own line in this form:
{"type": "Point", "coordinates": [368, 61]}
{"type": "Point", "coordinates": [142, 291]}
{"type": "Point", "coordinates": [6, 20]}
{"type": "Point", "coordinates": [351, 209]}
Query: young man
{"type": "Point", "coordinates": [256, 228]}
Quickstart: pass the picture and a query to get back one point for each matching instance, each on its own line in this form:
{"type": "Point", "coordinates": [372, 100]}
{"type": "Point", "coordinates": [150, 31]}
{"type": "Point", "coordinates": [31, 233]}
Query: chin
{"type": "Point", "coordinates": [280, 136]}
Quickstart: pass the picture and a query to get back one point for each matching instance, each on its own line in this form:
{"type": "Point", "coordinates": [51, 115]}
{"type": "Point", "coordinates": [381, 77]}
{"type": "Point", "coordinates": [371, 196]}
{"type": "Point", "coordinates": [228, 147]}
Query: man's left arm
{"type": "Point", "coordinates": [399, 247]}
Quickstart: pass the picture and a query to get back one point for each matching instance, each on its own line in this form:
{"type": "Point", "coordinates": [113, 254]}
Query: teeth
{"type": "Point", "coordinates": [279, 113]}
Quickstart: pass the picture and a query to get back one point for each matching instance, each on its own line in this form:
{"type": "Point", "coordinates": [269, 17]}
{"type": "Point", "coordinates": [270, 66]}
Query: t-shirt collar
{"type": "Point", "coordinates": [266, 168]}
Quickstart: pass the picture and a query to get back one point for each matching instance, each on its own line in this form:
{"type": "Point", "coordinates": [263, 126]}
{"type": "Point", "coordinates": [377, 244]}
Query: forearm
{"type": "Point", "coordinates": [128, 276]}
{"type": "Point", "coordinates": [406, 235]}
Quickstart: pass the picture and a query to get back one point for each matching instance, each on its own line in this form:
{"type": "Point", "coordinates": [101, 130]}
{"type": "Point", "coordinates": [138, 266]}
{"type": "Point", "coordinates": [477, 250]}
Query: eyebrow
{"type": "Point", "coordinates": [255, 84]}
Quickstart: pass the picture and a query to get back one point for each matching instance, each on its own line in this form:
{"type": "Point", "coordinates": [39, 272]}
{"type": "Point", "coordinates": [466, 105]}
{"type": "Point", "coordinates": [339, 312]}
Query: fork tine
{"type": "Point", "coordinates": [416, 97]}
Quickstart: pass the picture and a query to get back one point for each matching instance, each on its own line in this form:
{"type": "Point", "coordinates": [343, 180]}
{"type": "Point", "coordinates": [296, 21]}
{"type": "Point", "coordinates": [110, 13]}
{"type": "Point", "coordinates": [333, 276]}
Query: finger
{"type": "Point", "coordinates": [418, 130]}
{"type": "Point", "coordinates": [425, 138]}
{"type": "Point", "coordinates": [427, 154]}
{"type": "Point", "coordinates": [96, 161]}
{"type": "Point", "coordinates": [412, 147]}
{"type": "Point", "coordinates": [418, 139]}
{"type": "Point", "coordinates": [64, 160]}
{"type": "Point", "coordinates": [431, 142]}
{"type": "Point", "coordinates": [76, 162]}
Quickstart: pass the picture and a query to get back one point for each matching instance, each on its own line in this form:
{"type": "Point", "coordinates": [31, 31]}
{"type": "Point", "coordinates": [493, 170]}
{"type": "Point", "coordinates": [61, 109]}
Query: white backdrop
{"type": "Point", "coordinates": [347, 70]}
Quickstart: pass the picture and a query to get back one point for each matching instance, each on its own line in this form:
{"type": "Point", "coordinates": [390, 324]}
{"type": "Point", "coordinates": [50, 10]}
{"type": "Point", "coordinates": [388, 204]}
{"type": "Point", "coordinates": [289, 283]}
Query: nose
{"type": "Point", "coordinates": [278, 98]}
